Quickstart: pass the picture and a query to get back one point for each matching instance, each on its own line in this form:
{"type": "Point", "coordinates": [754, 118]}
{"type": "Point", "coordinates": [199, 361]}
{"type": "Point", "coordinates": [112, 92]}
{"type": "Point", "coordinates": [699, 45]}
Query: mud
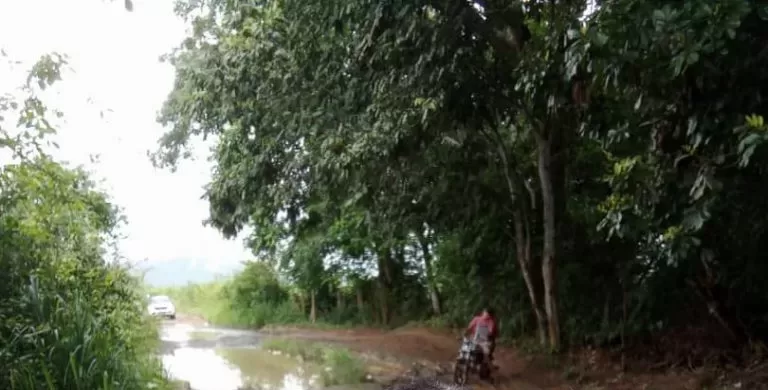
{"type": "Point", "coordinates": [226, 359]}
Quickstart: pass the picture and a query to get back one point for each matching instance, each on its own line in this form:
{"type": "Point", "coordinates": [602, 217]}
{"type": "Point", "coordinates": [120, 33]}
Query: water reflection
{"type": "Point", "coordinates": [203, 369]}
{"type": "Point", "coordinates": [227, 360]}
{"type": "Point", "coordinates": [264, 370]}
{"type": "Point", "coordinates": [230, 369]}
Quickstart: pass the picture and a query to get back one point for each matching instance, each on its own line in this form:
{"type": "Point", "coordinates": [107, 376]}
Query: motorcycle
{"type": "Point", "coordinates": [471, 359]}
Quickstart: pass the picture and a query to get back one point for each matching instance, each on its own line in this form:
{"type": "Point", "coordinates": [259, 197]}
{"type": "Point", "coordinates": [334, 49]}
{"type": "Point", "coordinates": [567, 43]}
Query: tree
{"type": "Point", "coordinates": [70, 315]}
{"type": "Point", "coordinates": [469, 128]}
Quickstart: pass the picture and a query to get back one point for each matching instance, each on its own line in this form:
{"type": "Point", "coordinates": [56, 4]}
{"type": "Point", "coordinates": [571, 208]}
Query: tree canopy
{"type": "Point", "coordinates": [592, 169]}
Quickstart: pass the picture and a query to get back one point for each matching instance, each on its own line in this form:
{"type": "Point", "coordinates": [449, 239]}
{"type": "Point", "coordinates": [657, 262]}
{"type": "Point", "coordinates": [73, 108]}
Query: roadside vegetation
{"type": "Point", "coordinates": [206, 300]}
{"type": "Point", "coordinates": [593, 170]}
{"type": "Point", "coordinates": [71, 314]}
{"type": "Point", "coordinates": [255, 297]}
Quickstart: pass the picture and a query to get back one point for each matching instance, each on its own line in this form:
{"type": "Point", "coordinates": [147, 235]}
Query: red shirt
{"type": "Point", "coordinates": [487, 321]}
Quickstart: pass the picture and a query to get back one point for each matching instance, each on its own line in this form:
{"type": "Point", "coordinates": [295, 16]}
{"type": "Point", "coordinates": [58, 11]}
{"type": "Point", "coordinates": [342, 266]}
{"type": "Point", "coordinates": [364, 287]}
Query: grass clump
{"type": "Point", "coordinates": [339, 366]}
{"type": "Point", "coordinates": [344, 368]}
{"type": "Point", "coordinates": [64, 343]}
{"type": "Point", "coordinates": [304, 350]}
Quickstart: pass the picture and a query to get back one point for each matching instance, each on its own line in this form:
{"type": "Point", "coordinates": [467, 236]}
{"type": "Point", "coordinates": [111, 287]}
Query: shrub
{"type": "Point", "coordinates": [69, 319]}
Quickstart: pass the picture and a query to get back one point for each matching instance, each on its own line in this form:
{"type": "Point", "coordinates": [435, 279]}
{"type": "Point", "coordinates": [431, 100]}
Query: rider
{"type": "Point", "coordinates": [483, 331]}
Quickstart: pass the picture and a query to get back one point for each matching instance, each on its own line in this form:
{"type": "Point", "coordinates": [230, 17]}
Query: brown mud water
{"type": "Point", "coordinates": [205, 358]}
{"type": "Point", "coordinates": [200, 357]}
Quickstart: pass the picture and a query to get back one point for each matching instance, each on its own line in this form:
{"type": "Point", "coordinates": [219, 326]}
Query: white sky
{"type": "Point", "coordinates": [114, 56]}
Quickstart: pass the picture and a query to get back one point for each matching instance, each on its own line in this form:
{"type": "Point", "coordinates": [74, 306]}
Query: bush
{"type": "Point", "coordinates": [261, 314]}
{"type": "Point", "coordinates": [68, 318]}
{"type": "Point", "coordinates": [253, 298]}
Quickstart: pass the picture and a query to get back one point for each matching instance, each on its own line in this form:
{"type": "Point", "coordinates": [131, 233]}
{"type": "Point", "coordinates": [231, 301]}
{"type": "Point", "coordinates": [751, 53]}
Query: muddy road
{"type": "Point", "coordinates": [215, 358]}
{"type": "Point", "coordinates": [211, 358]}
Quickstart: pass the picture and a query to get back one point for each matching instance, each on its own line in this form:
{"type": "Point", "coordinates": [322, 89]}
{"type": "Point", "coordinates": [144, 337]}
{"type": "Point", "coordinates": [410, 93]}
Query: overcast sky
{"type": "Point", "coordinates": [114, 57]}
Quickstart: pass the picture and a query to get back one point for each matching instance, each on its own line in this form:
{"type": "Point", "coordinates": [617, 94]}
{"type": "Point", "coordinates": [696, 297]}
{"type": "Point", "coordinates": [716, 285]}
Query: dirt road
{"type": "Point", "coordinates": [587, 371]}
{"type": "Point", "coordinates": [430, 348]}
{"type": "Point", "coordinates": [197, 352]}
{"type": "Point", "coordinates": [219, 358]}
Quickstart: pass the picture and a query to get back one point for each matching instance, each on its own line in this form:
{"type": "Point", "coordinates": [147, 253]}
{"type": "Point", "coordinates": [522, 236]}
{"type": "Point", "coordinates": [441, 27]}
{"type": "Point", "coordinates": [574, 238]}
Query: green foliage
{"type": "Point", "coordinates": [252, 298]}
{"type": "Point", "coordinates": [69, 318]}
{"type": "Point", "coordinates": [593, 177]}
{"type": "Point", "coordinates": [257, 296]}
{"type": "Point", "coordinates": [73, 345]}
{"type": "Point", "coordinates": [345, 368]}
{"type": "Point", "coordinates": [71, 315]}
{"type": "Point", "coordinates": [207, 300]}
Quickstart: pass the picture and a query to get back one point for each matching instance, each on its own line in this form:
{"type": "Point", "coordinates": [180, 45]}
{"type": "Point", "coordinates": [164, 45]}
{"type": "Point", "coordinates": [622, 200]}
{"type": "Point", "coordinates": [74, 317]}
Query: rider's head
{"type": "Point", "coordinates": [487, 311]}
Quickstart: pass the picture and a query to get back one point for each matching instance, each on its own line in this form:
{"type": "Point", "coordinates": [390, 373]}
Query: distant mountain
{"type": "Point", "coordinates": [179, 272]}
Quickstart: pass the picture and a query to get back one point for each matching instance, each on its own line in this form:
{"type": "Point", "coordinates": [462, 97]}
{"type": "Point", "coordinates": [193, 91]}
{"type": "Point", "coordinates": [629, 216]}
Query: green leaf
{"type": "Point", "coordinates": [693, 57]}
{"type": "Point", "coordinates": [749, 141]}
{"type": "Point", "coordinates": [693, 219]}
{"type": "Point", "coordinates": [693, 123]}
{"type": "Point", "coordinates": [712, 182]}
{"type": "Point", "coordinates": [762, 12]}
{"type": "Point", "coordinates": [600, 39]}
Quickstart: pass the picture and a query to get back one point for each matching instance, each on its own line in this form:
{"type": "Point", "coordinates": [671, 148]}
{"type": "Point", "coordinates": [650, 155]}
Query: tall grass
{"type": "Point", "coordinates": [54, 342]}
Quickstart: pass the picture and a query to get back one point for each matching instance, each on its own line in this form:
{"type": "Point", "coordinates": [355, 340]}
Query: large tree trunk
{"type": "Point", "coordinates": [313, 307]}
{"type": "Point", "coordinates": [360, 301]}
{"type": "Point", "coordinates": [383, 293]}
{"type": "Point", "coordinates": [385, 282]}
{"type": "Point", "coordinates": [522, 202]}
{"type": "Point", "coordinates": [434, 293]}
{"type": "Point", "coordinates": [302, 302]}
{"type": "Point", "coordinates": [548, 257]}
{"type": "Point", "coordinates": [339, 299]}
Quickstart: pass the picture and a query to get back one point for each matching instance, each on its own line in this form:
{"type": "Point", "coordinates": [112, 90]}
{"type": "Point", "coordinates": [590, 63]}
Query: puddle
{"type": "Point", "coordinates": [203, 335]}
{"type": "Point", "coordinates": [221, 359]}
{"type": "Point", "coordinates": [231, 369]}
{"type": "Point", "coordinates": [202, 368]}
{"type": "Point", "coordinates": [266, 371]}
